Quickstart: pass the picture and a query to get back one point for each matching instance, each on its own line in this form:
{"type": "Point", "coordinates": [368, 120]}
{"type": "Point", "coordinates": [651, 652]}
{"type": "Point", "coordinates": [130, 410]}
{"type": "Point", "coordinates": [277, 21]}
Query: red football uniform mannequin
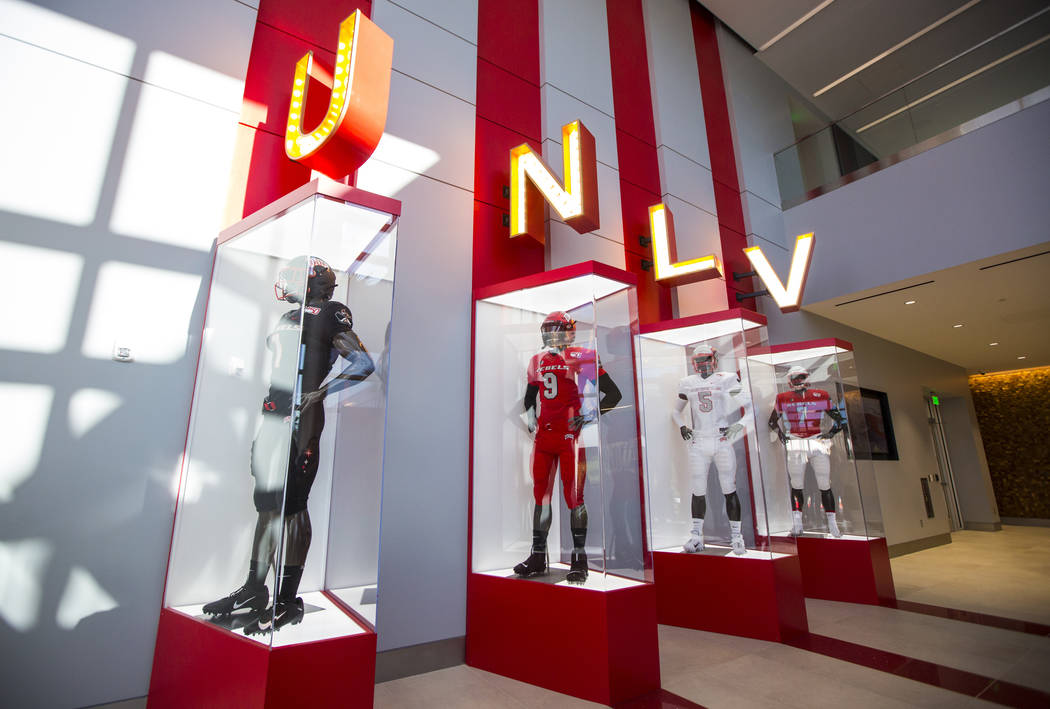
{"type": "Point", "coordinates": [803, 411]}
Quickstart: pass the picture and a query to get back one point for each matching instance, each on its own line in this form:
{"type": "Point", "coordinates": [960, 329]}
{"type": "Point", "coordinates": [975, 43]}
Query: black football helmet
{"type": "Point", "coordinates": [558, 330]}
{"type": "Point", "coordinates": [311, 271]}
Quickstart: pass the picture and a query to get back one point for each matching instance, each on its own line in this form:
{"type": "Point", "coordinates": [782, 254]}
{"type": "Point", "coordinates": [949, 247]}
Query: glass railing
{"type": "Point", "coordinates": [1001, 76]}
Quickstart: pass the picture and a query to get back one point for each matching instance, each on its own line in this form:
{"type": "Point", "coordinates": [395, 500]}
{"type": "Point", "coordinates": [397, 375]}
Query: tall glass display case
{"type": "Point", "coordinates": [818, 420]}
{"type": "Point", "coordinates": [557, 523]}
{"type": "Point", "coordinates": [274, 555]}
{"type": "Point", "coordinates": [717, 487]}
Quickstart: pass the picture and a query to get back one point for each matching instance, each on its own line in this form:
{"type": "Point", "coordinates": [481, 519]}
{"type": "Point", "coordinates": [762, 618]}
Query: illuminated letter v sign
{"type": "Point", "coordinates": [789, 298]}
{"type": "Point", "coordinates": [353, 124]}
{"type": "Point", "coordinates": [531, 182]}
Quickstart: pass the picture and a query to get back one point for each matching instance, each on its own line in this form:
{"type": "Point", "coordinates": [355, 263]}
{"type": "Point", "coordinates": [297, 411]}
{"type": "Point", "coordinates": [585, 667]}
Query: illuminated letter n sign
{"type": "Point", "coordinates": [531, 182]}
{"type": "Point", "coordinates": [356, 116]}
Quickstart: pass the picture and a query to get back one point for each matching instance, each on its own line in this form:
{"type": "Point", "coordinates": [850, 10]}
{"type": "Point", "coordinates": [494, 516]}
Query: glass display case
{"type": "Point", "coordinates": [276, 534]}
{"type": "Point", "coordinates": [818, 419]}
{"type": "Point", "coordinates": [557, 526]}
{"type": "Point", "coordinates": [716, 484]}
{"type": "Point", "coordinates": [556, 493]}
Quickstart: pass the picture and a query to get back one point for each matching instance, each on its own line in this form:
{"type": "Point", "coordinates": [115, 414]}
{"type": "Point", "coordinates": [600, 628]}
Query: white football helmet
{"type": "Point", "coordinates": [798, 378]}
{"type": "Point", "coordinates": [704, 360]}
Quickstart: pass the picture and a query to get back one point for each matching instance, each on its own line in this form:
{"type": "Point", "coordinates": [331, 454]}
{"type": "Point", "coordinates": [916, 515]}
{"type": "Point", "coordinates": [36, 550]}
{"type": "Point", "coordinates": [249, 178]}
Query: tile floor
{"type": "Point", "coordinates": [1003, 573]}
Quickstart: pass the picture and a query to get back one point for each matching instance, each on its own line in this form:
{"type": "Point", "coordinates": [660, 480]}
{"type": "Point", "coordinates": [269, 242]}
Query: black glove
{"type": "Point", "coordinates": [687, 433]}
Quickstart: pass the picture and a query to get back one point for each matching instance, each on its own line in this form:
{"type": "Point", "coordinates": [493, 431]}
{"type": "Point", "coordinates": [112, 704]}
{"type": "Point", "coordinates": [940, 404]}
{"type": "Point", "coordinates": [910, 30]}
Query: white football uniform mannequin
{"type": "Point", "coordinates": [712, 401]}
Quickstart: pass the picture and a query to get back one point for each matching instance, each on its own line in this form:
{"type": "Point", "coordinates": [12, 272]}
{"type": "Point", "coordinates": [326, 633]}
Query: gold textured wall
{"type": "Point", "coordinates": [1013, 411]}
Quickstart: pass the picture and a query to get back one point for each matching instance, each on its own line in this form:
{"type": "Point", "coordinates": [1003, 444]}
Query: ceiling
{"type": "Point", "coordinates": [1003, 299]}
{"type": "Point", "coordinates": [848, 59]}
{"type": "Point", "coordinates": [813, 44]}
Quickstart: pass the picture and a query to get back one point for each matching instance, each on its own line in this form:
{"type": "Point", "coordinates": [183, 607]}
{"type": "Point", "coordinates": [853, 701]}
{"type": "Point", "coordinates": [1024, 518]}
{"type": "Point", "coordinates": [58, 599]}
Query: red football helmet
{"type": "Point", "coordinates": [705, 359]}
{"type": "Point", "coordinates": [798, 378]}
{"type": "Point", "coordinates": [558, 330]}
{"type": "Point", "coordinates": [310, 271]}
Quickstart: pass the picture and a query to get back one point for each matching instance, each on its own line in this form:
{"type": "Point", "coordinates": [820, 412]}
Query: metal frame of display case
{"type": "Point", "coordinates": [199, 664]}
{"type": "Point", "coordinates": [750, 597]}
{"type": "Point", "coordinates": [848, 570]}
{"type": "Point", "coordinates": [608, 649]}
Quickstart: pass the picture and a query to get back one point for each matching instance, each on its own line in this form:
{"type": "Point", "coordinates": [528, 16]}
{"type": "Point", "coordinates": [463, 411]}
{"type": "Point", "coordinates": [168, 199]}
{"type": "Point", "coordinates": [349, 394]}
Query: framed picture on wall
{"type": "Point", "coordinates": [882, 445]}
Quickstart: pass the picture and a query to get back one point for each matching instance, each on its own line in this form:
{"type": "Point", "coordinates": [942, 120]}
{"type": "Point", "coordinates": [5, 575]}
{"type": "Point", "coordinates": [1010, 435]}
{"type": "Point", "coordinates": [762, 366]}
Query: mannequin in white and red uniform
{"type": "Point", "coordinates": [797, 418]}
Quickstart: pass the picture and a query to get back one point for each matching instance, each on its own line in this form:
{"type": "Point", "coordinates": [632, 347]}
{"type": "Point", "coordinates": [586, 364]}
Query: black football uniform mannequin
{"type": "Point", "coordinates": [305, 345]}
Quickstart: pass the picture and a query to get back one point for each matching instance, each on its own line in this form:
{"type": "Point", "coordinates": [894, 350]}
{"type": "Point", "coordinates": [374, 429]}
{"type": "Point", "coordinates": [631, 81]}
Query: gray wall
{"type": "Point", "coordinates": [865, 223]}
{"type": "Point", "coordinates": [932, 211]}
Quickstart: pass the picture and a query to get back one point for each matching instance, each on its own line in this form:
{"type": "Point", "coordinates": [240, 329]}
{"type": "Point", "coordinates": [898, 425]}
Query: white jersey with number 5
{"type": "Point", "coordinates": [712, 401]}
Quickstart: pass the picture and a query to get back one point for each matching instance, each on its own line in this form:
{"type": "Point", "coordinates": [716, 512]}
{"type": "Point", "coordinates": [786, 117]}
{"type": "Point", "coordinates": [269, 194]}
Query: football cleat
{"type": "Point", "coordinates": [284, 613]}
{"type": "Point", "coordinates": [833, 526]}
{"type": "Point", "coordinates": [694, 545]}
{"type": "Point", "coordinates": [253, 598]}
{"type": "Point", "coordinates": [577, 568]}
{"type": "Point", "coordinates": [737, 542]}
{"type": "Point", "coordinates": [534, 565]}
{"type": "Point", "coordinates": [796, 523]}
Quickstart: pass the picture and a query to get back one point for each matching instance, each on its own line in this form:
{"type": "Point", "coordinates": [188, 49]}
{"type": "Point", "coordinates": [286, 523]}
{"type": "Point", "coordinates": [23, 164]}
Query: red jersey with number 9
{"type": "Point", "coordinates": [559, 376]}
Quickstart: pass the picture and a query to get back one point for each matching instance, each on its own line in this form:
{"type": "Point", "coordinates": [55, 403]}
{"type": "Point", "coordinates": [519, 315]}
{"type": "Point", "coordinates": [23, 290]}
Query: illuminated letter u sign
{"type": "Point", "coordinates": [531, 182]}
{"type": "Point", "coordinates": [353, 124]}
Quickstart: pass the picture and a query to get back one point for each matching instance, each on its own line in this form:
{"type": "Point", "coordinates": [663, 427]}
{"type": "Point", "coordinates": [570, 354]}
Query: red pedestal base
{"type": "Point", "coordinates": [200, 665]}
{"type": "Point", "coordinates": [851, 570]}
{"type": "Point", "coordinates": [753, 598]}
{"type": "Point", "coordinates": [595, 645]}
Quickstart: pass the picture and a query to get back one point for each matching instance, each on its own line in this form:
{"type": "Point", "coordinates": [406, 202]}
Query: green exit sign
{"type": "Point", "coordinates": [935, 400]}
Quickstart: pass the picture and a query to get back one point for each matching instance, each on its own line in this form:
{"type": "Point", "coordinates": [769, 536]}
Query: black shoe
{"type": "Point", "coordinates": [249, 597]}
{"type": "Point", "coordinates": [535, 565]}
{"type": "Point", "coordinates": [285, 613]}
{"type": "Point", "coordinates": [577, 568]}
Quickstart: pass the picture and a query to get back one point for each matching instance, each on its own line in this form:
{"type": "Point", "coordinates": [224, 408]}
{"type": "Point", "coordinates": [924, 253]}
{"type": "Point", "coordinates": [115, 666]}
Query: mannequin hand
{"type": "Point", "coordinates": [312, 397]}
{"type": "Point", "coordinates": [733, 431]}
{"type": "Point", "coordinates": [687, 433]}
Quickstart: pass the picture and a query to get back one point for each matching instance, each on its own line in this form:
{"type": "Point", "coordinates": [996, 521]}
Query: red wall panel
{"type": "Point", "coordinates": [636, 149]}
{"type": "Point", "coordinates": [723, 157]}
{"type": "Point", "coordinates": [508, 114]}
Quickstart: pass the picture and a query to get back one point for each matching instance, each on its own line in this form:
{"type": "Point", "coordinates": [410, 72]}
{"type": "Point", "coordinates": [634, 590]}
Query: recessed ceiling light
{"type": "Point", "coordinates": [957, 325]}
{"type": "Point", "coordinates": [909, 302]}
{"type": "Point", "coordinates": [992, 344]}
{"type": "Point", "coordinates": [1023, 357]}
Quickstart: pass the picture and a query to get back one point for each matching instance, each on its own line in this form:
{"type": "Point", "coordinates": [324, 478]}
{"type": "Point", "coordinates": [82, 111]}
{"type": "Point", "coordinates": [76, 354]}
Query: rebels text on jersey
{"type": "Point", "coordinates": [711, 400]}
{"type": "Point", "coordinates": [803, 412]}
{"type": "Point", "coordinates": [321, 322]}
{"type": "Point", "coordinates": [559, 374]}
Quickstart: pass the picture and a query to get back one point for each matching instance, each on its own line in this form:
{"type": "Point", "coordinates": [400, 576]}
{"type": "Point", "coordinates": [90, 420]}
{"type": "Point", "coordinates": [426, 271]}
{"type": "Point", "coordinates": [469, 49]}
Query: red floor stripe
{"type": "Point", "coordinates": [961, 681]}
{"type": "Point", "coordinates": [995, 621]}
{"type": "Point", "coordinates": [660, 699]}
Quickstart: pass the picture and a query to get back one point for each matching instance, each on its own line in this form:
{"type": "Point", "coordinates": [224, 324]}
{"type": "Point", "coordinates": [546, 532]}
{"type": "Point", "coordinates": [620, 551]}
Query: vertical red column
{"type": "Point", "coordinates": [636, 150]}
{"type": "Point", "coordinates": [508, 114]}
{"type": "Point", "coordinates": [723, 158]}
{"type": "Point", "coordinates": [285, 30]}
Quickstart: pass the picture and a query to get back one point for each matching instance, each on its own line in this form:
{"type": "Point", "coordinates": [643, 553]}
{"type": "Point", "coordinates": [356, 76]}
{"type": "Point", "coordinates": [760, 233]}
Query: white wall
{"type": "Point", "coordinates": [111, 191]}
{"type": "Point", "coordinates": [686, 184]}
{"type": "Point", "coordinates": [423, 560]}
{"type": "Point", "coordinates": [576, 83]}
{"type": "Point", "coordinates": [760, 112]}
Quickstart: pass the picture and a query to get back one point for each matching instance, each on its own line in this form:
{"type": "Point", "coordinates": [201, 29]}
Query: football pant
{"type": "Point", "coordinates": [813, 451]}
{"type": "Point", "coordinates": [703, 450]}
